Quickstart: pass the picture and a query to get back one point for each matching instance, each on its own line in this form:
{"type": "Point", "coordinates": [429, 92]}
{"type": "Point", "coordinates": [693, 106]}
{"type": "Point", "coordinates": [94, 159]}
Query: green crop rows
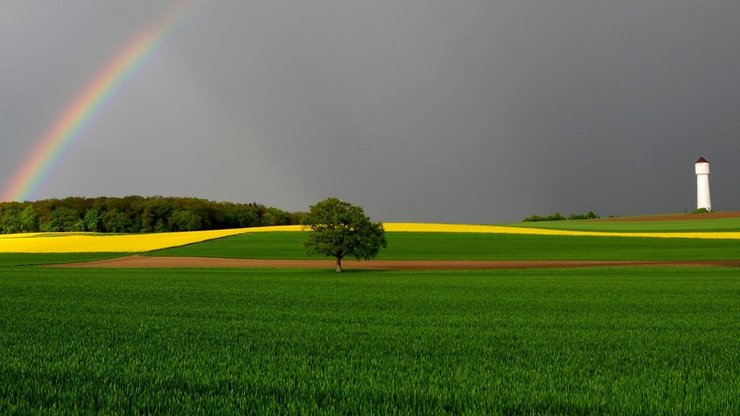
{"type": "Point", "coordinates": [589, 341]}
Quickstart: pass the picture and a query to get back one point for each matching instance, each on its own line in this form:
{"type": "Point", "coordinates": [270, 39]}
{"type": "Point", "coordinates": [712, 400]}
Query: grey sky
{"type": "Point", "coordinates": [419, 110]}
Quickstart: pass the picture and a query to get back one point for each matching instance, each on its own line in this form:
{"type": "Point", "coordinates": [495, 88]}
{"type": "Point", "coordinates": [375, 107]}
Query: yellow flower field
{"type": "Point", "coordinates": [499, 229]}
{"type": "Point", "coordinates": [102, 243]}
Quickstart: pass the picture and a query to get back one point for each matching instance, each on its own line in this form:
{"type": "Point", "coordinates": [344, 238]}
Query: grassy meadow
{"type": "Point", "coordinates": [248, 341]}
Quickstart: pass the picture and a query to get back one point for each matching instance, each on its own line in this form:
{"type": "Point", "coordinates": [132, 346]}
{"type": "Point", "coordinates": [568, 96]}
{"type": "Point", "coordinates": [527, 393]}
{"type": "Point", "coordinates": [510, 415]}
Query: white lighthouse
{"type": "Point", "coordinates": [703, 200]}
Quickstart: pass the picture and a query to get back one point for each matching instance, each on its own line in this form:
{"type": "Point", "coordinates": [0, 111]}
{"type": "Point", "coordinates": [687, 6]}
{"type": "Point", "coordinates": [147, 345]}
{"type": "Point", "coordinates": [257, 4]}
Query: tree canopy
{"type": "Point", "coordinates": [339, 229]}
{"type": "Point", "coordinates": [136, 214]}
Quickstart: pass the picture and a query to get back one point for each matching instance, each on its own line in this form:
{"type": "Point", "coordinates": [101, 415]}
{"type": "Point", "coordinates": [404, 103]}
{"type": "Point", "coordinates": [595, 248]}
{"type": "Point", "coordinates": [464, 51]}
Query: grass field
{"type": "Point", "coordinates": [476, 246]}
{"type": "Point", "coordinates": [594, 341]}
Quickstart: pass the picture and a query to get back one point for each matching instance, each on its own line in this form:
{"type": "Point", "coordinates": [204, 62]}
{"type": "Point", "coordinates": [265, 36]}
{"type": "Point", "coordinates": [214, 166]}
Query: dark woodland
{"type": "Point", "coordinates": [136, 214]}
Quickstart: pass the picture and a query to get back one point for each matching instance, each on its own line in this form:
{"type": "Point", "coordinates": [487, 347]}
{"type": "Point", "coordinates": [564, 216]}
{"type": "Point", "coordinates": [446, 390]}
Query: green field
{"type": "Point", "coordinates": [28, 259]}
{"type": "Point", "coordinates": [231, 341]}
{"type": "Point", "coordinates": [460, 246]}
{"type": "Point", "coordinates": [589, 341]}
{"type": "Point", "coordinates": [699, 225]}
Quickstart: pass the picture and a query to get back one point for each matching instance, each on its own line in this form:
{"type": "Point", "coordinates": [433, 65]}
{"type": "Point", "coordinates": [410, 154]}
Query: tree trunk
{"type": "Point", "coordinates": [339, 265]}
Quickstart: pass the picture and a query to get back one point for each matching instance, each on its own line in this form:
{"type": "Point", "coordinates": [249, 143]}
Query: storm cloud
{"type": "Point", "coordinates": [418, 110]}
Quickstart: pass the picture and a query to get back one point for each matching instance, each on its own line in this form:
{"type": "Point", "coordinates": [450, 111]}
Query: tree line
{"type": "Point", "coordinates": [559, 217]}
{"type": "Point", "coordinates": [136, 214]}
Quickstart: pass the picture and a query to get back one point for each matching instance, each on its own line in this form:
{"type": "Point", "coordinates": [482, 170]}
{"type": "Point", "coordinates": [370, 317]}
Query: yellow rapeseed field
{"type": "Point", "coordinates": [499, 229]}
{"type": "Point", "coordinates": [102, 243]}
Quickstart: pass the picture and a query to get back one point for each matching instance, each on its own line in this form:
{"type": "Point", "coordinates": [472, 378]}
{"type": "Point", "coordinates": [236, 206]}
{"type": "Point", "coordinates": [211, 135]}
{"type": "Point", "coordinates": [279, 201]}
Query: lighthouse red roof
{"type": "Point", "coordinates": [702, 160]}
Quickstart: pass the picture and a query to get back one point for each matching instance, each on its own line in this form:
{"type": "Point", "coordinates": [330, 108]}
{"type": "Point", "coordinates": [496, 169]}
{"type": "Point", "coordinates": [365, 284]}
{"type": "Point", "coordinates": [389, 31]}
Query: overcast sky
{"type": "Point", "coordinates": [465, 111]}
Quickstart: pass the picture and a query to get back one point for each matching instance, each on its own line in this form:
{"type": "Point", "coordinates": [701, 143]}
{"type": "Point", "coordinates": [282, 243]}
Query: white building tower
{"type": "Point", "coordinates": [703, 199]}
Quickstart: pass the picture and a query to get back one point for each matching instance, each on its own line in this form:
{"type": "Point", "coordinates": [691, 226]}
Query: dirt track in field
{"type": "Point", "coordinates": [144, 262]}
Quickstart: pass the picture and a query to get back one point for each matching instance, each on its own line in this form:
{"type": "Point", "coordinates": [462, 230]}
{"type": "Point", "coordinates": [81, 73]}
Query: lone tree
{"type": "Point", "coordinates": [339, 229]}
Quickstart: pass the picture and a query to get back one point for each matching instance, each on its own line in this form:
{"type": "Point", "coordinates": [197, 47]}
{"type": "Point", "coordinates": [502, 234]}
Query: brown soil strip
{"type": "Point", "coordinates": [144, 262]}
{"type": "Point", "coordinates": [674, 217]}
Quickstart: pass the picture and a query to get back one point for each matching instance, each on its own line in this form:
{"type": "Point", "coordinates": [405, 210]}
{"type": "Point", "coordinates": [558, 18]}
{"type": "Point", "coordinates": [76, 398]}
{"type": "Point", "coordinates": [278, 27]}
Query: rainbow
{"type": "Point", "coordinates": [78, 114]}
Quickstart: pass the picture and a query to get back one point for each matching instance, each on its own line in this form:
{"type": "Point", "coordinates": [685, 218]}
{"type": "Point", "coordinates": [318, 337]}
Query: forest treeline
{"type": "Point", "coordinates": [136, 214]}
{"type": "Point", "coordinates": [559, 217]}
